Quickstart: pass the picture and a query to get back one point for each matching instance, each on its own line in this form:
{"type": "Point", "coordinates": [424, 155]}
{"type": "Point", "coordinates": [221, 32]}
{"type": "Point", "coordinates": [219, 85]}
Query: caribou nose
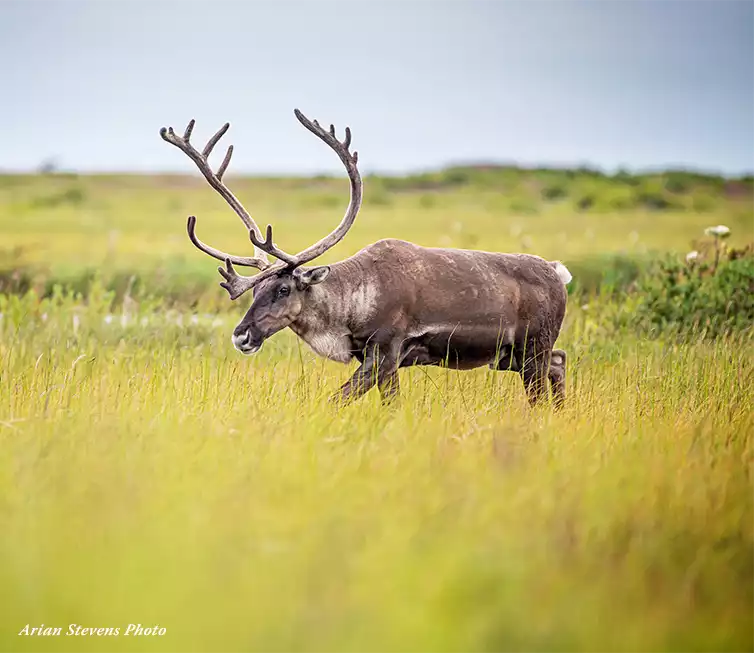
{"type": "Point", "coordinates": [242, 341]}
{"type": "Point", "coordinates": [241, 337]}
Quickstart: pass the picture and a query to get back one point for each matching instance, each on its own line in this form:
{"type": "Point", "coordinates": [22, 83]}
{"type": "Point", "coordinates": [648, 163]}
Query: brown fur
{"type": "Point", "coordinates": [395, 304]}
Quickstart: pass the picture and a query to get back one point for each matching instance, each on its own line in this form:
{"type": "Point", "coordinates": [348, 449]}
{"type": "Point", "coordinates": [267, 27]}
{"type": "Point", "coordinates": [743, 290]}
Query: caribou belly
{"type": "Point", "coordinates": [457, 348]}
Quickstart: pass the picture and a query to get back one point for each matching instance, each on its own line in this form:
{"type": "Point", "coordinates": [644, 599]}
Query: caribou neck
{"type": "Point", "coordinates": [330, 305]}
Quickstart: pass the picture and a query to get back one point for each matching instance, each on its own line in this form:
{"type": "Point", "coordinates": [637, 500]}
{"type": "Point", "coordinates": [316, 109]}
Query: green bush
{"type": "Point", "coordinates": [71, 196]}
{"type": "Point", "coordinates": [555, 191]}
{"type": "Point", "coordinates": [654, 200]}
{"type": "Point", "coordinates": [585, 202]}
{"type": "Point", "coordinates": [711, 296]}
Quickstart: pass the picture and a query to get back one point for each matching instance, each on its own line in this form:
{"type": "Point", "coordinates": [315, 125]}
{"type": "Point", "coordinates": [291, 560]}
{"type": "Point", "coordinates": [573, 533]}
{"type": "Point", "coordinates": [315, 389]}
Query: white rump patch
{"type": "Point", "coordinates": [563, 273]}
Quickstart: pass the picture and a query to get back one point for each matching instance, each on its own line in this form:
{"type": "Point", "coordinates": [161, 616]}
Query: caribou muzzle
{"type": "Point", "coordinates": [247, 340]}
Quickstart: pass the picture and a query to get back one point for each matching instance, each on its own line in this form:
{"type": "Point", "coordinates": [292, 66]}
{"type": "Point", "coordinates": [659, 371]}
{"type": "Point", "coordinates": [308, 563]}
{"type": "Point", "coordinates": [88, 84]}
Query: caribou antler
{"type": "Point", "coordinates": [236, 284]}
{"type": "Point", "coordinates": [268, 246]}
{"type": "Point", "coordinates": [215, 180]}
{"type": "Point", "coordinates": [350, 160]}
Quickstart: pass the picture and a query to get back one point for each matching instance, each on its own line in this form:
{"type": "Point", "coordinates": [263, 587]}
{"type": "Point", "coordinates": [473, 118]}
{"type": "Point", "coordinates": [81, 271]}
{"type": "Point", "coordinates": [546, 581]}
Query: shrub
{"type": "Point", "coordinates": [653, 200]}
{"type": "Point", "coordinates": [585, 202]}
{"type": "Point", "coordinates": [456, 177]}
{"type": "Point", "coordinates": [711, 293]}
{"type": "Point", "coordinates": [614, 198]}
{"type": "Point", "coordinates": [554, 191]}
{"type": "Point", "coordinates": [72, 196]}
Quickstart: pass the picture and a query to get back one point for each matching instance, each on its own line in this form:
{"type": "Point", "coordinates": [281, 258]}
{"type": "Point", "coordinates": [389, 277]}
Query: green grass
{"type": "Point", "coordinates": [149, 474]}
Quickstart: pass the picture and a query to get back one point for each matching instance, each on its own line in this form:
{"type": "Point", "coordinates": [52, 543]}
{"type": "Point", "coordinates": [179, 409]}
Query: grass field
{"type": "Point", "coordinates": [150, 474]}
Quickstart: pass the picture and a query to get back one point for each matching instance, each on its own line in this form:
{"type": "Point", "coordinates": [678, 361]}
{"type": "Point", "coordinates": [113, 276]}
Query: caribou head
{"type": "Point", "coordinates": [281, 289]}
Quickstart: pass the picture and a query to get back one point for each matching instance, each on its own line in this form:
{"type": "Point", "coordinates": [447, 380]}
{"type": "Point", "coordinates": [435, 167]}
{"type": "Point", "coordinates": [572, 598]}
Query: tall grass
{"type": "Point", "coordinates": [151, 475]}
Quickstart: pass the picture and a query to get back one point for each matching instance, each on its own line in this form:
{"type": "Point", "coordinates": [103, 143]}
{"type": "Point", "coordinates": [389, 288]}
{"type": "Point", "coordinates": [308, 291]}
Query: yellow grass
{"type": "Point", "coordinates": [151, 475]}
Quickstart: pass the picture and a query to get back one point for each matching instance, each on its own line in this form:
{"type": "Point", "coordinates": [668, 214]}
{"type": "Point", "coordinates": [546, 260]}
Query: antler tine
{"type": "Point", "coordinates": [341, 148]}
{"type": "Point", "coordinates": [189, 129]}
{"type": "Point", "coordinates": [237, 284]}
{"type": "Point", "coordinates": [251, 262]}
{"type": "Point", "coordinates": [268, 246]}
{"type": "Point", "coordinates": [350, 161]}
{"type": "Point", "coordinates": [226, 161]}
{"type": "Point", "coordinates": [213, 141]}
{"type": "Point", "coordinates": [215, 180]}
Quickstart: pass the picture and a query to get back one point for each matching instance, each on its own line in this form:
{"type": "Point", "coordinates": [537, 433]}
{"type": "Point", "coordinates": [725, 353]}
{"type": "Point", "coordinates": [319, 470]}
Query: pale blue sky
{"type": "Point", "coordinates": [422, 83]}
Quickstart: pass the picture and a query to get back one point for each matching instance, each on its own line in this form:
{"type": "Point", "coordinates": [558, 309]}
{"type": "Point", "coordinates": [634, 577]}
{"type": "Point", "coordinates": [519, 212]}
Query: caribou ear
{"type": "Point", "coordinates": [306, 278]}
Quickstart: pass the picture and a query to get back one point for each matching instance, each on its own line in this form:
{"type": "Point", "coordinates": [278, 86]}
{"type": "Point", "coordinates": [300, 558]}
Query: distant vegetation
{"type": "Point", "coordinates": [582, 189]}
{"type": "Point", "coordinates": [64, 229]}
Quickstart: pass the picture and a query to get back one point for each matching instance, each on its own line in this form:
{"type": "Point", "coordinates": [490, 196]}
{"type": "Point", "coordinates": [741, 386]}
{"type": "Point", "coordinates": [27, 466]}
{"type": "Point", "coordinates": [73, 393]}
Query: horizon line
{"type": "Point", "coordinates": [608, 171]}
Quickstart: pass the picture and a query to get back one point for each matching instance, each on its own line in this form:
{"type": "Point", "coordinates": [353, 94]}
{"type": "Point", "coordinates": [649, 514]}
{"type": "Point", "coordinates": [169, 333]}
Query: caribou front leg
{"type": "Point", "coordinates": [387, 380]}
{"type": "Point", "coordinates": [382, 370]}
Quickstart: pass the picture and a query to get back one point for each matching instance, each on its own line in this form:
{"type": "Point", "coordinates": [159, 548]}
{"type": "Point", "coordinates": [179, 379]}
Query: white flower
{"type": "Point", "coordinates": [720, 231]}
{"type": "Point", "coordinates": [692, 256]}
{"type": "Point", "coordinates": [194, 319]}
{"type": "Point", "coordinates": [108, 319]}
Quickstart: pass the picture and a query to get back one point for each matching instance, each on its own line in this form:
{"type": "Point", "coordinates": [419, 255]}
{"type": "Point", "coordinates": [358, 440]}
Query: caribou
{"type": "Point", "coordinates": [393, 304]}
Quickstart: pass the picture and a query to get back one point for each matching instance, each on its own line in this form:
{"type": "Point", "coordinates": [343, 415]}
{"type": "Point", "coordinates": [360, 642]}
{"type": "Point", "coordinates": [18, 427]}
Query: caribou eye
{"type": "Point", "coordinates": [284, 291]}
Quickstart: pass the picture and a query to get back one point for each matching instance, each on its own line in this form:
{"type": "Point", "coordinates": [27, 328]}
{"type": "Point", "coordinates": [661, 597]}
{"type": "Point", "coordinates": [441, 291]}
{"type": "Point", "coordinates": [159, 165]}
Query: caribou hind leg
{"type": "Point", "coordinates": [508, 360]}
{"type": "Point", "coordinates": [535, 370]}
{"type": "Point", "coordinates": [534, 377]}
{"type": "Point", "coordinates": [557, 375]}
